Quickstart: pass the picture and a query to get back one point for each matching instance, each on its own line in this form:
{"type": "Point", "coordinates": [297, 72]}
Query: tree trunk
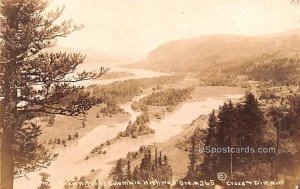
{"type": "Point", "coordinates": [1, 131]}
{"type": "Point", "coordinates": [9, 123]}
{"type": "Point", "coordinates": [7, 137]}
{"type": "Point", "coordinates": [7, 163]}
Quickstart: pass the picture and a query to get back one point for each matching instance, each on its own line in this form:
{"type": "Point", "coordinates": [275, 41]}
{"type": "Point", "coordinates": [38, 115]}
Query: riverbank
{"type": "Point", "coordinates": [64, 126]}
{"type": "Point", "coordinates": [116, 75]}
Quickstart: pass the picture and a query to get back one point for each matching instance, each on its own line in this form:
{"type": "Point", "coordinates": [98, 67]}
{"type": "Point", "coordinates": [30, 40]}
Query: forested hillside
{"type": "Point", "coordinates": [278, 70]}
{"type": "Point", "coordinates": [190, 55]}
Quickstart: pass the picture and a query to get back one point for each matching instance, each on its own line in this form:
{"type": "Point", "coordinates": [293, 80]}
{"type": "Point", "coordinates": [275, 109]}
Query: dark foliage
{"type": "Point", "coordinates": [150, 168]}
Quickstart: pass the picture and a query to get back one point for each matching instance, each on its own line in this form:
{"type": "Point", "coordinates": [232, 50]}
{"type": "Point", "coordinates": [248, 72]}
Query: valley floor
{"type": "Point", "coordinates": [65, 126]}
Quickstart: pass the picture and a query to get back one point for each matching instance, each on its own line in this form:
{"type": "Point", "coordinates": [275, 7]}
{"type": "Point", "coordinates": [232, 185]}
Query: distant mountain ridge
{"type": "Point", "coordinates": [203, 52]}
{"type": "Point", "coordinates": [91, 55]}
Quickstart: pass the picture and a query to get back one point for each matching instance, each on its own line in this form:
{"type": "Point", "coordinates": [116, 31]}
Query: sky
{"type": "Point", "coordinates": [132, 28]}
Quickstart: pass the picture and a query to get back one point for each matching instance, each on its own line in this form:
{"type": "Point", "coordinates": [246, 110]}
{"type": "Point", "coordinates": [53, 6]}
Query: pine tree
{"type": "Point", "coordinates": [118, 173]}
{"type": "Point", "coordinates": [156, 159]}
{"type": "Point", "coordinates": [145, 161]}
{"type": "Point", "coordinates": [209, 166]}
{"type": "Point", "coordinates": [149, 160]}
{"type": "Point", "coordinates": [225, 135]}
{"type": "Point", "coordinates": [211, 138]}
{"type": "Point", "coordinates": [227, 121]}
{"type": "Point", "coordinates": [166, 160]}
{"type": "Point", "coordinates": [192, 158]}
{"type": "Point", "coordinates": [136, 174]}
{"type": "Point", "coordinates": [128, 170]}
{"type": "Point", "coordinates": [166, 172]}
{"type": "Point", "coordinates": [27, 29]}
{"type": "Point", "coordinates": [160, 160]}
{"type": "Point", "coordinates": [252, 119]}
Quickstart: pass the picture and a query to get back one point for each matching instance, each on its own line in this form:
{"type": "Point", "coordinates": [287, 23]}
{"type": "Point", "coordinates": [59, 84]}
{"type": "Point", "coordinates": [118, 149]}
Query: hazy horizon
{"type": "Point", "coordinates": [132, 28]}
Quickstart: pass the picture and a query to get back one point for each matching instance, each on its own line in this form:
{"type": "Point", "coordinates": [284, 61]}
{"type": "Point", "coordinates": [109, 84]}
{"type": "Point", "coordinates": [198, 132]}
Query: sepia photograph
{"type": "Point", "coordinates": [145, 94]}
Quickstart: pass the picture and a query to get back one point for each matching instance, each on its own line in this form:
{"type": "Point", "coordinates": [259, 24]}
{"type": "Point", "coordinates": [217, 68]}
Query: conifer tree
{"type": "Point", "coordinates": [34, 82]}
{"type": "Point", "coordinates": [128, 170]}
{"type": "Point", "coordinates": [160, 159]}
{"type": "Point", "coordinates": [226, 135]}
{"type": "Point", "coordinates": [211, 138]}
{"type": "Point", "coordinates": [192, 158]}
{"type": "Point", "coordinates": [252, 118]}
{"type": "Point", "coordinates": [119, 173]}
{"type": "Point", "coordinates": [209, 166]}
{"type": "Point", "coordinates": [136, 174]}
{"type": "Point", "coordinates": [156, 159]}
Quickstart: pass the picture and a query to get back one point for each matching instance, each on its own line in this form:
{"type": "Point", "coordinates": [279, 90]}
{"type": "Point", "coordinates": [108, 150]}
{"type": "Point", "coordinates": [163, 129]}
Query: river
{"type": "Point", "coordinates": [71, 163]}
{"type": "Point", "coordinates": [137, 74]}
